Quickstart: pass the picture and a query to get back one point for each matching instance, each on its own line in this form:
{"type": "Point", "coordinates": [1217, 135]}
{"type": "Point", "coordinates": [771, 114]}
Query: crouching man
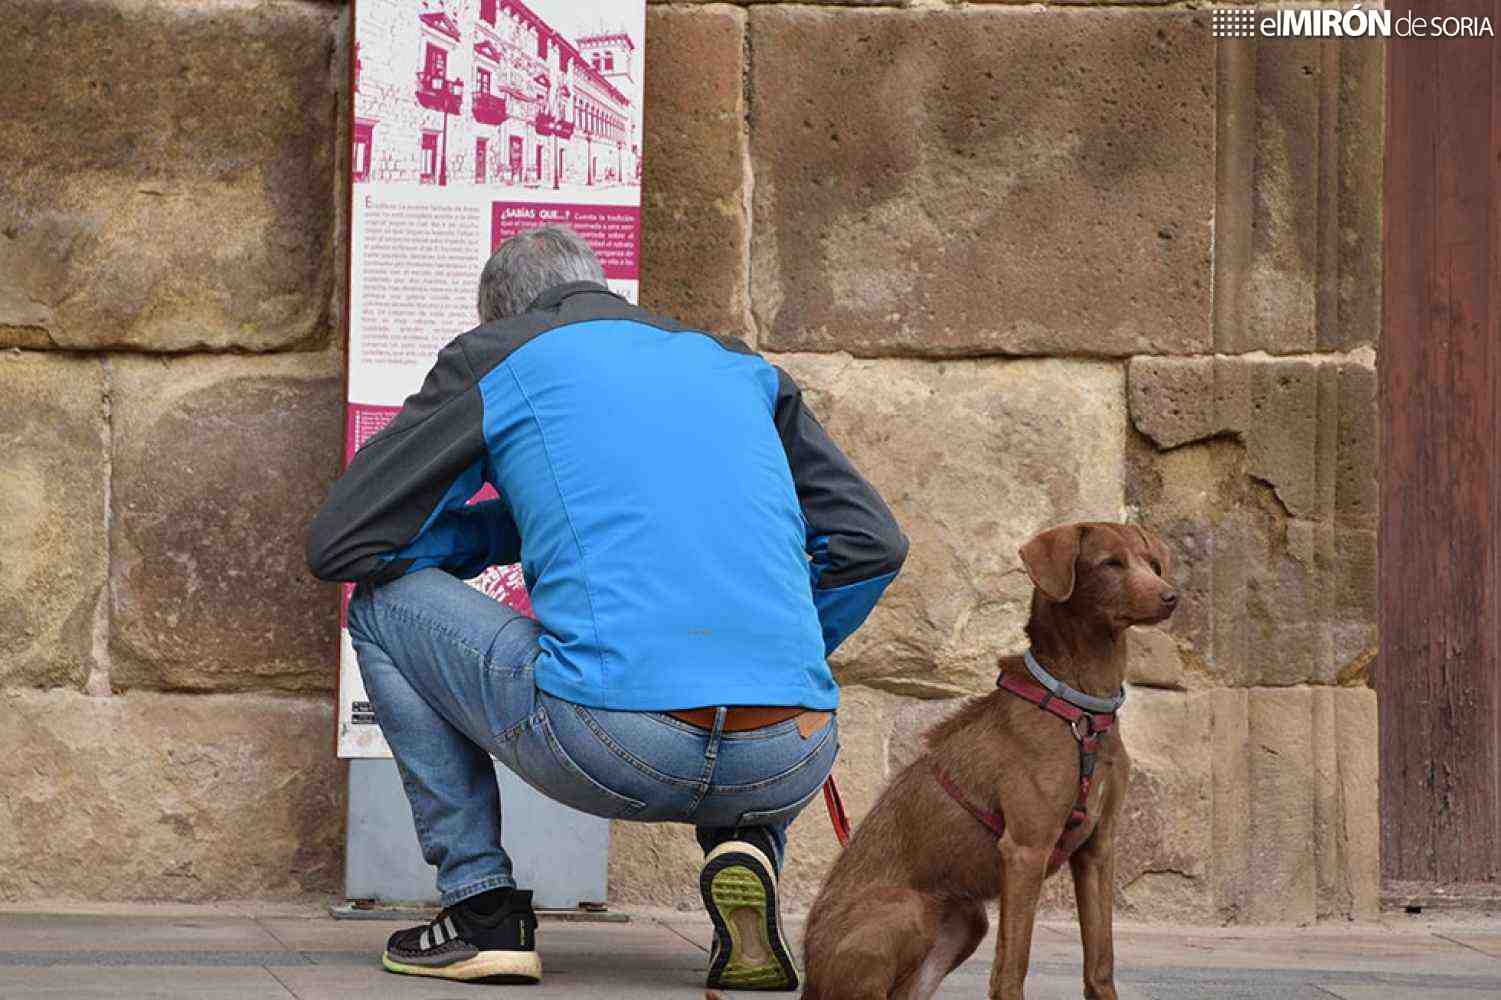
{"type": "Point", "coordinates": [695, 547]}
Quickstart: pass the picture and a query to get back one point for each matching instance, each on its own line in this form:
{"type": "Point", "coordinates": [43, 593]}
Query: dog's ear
{"type": "Point", "coordinates": [1050, 559]}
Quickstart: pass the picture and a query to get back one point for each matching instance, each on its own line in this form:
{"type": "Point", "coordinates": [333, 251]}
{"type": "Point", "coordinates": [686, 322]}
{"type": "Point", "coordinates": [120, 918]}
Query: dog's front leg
{"type": "Point", "coordinates": [1022, 870]}
{"type": "Point", "coordinates": [1093, 868]}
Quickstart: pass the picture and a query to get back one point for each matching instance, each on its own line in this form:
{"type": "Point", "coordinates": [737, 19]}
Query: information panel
{"type": "Point", "coordinates": [474, 120]}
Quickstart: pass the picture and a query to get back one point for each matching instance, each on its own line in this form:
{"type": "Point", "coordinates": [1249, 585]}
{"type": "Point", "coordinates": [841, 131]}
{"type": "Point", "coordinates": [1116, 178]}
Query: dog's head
{"type": "Point", "coordinates": [1112, 574]}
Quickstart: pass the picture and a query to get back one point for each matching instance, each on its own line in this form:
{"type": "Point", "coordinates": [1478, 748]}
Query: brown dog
{"type": "Point", "coordinates": [989, 810]}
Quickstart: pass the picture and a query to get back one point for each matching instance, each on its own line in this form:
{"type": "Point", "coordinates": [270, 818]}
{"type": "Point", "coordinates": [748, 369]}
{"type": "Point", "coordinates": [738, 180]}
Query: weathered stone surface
{"type": "Point", "coordinates": [1308, 425]}
{"type": "Point", "coordinates": [1282, 875]}
{"type": "Point", "coordinates": [168, 180]}
{"type": "Point", "coordinates": [974, 457]}
{"type": "Point", "coordinates": [1347, 841]}
{"type": "Point", "coordinates": [1298, 218]}
{"type": "Point", "coordinates": [150, 796]}
{"type": "Point", "coordinates": [1262, 473]}
{"type": "Point", "coordinates": [1230, 766]}
{"type": "Point", "coordinates": [910, 721]}
{"type": "Point", "coordinates": [54, 470]}
{"type": "Point", "coordinates": [1152, 659]}
{"type": "Point", "coordinates": [220, 463]}
{"type": "Point", "coordinates": [1164, 844]}
{"type": "Point", "coordinates": [998, 181]}
{"type": "Point", "coordinates": [695, 221]}
{"type": "Point", "coordinates": [1312, 831]}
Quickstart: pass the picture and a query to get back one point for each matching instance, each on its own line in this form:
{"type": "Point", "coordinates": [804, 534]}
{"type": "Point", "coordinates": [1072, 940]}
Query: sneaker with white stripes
{"type": "Point", "coordinates": [465, 945]}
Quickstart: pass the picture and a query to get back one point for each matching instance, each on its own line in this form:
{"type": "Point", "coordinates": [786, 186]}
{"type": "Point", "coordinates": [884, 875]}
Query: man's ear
{"type": "Point", "coordinates": [1050, 559]}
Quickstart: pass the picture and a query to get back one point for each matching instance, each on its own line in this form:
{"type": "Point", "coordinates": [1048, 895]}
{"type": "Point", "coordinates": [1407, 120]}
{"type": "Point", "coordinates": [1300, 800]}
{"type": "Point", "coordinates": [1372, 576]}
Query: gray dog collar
{"type": "Point", "coordinates": [1088, 702]}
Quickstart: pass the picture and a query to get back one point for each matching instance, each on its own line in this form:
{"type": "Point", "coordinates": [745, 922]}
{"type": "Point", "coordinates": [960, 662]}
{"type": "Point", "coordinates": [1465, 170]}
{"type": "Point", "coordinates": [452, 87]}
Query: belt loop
{"type": "Point", "coordinates": [716, 733]}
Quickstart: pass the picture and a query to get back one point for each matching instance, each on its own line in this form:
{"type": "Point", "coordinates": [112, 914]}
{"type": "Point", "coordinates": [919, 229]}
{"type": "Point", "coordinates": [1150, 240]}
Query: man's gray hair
{"type": "Point", "coordinates": [528, 264]}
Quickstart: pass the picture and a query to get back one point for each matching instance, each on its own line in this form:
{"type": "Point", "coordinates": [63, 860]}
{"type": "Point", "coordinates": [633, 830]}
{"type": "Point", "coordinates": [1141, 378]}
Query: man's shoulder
{"type": "Point", "coordinates": [489, 344]}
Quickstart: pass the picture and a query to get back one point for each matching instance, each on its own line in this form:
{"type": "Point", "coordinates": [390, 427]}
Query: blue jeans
{"type": "Point", "coordinates": [449, 672]}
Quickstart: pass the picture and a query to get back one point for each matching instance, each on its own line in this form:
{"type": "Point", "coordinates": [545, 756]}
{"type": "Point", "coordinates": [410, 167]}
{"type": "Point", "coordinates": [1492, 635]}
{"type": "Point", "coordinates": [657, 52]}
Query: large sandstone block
{"type": "Point", "coordinates": [1262, 473]}
{"type": "Point", "coordinates": [1308, 426]}
{"type": "Point", "coordinates": [1164, 838]}
{"type": "Point", "coordinates": [974, 457]}
{"type": "Point", "coordinates": [694, 196]}
{"type": "Point", "coordinates": [54, 472]}
{"type": "Point", "coordinates": [1298, 213]}
{"type": "Point", "coordinates": [167, 797]}
{"type": "Point", "coordinates": [1282, 874]}
{"type": "Point", "coordinates": [1230, 769]}
{"type": "Point", "coordinates": [168, 173]}
{"type": "Point", "coordinates": [1313, 823]}
{"type": "Point", "coordinates": [1153, 659]}
{"type": "Point", "coordinates": [220, 463]}
{"type": "Point", "coordinates": [982, 181]}
{"type": "Point", "coordinates": [1346, 803]}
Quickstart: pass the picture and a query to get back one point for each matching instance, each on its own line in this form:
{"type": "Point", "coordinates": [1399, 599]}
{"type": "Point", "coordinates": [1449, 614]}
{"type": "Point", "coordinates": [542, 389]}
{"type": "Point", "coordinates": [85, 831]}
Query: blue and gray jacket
{"type": "Point", "coordinates": [689, 534]}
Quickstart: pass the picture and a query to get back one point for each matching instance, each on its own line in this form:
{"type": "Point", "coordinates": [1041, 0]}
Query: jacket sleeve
{"type": "Point", "coordinates": [855, 546]}
{"type": "Point", "coordinates": [400, 505]}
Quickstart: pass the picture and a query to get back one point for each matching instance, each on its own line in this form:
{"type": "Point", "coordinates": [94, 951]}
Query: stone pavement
{"type": "Point", "coordinates": [263, 951]}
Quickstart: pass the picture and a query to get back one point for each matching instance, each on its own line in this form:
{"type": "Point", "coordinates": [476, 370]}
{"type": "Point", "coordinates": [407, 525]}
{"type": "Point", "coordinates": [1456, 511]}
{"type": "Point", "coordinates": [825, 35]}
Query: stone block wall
{"type": "Point", "coordinates": [1031, 264]}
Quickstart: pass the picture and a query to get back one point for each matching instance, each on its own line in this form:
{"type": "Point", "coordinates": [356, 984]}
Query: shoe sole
{"type": "Point", "coordinates": [740, 894]}
{"type": "Point", "coordinates": [514, 967]}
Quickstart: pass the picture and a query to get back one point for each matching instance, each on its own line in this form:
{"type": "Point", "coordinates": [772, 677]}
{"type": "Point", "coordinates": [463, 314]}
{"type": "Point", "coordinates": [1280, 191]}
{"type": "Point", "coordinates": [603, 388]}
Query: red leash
{"type": "Point", "coordinates": [836, 810]}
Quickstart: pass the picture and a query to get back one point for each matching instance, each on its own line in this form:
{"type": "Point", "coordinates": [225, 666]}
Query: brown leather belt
{"type": "Point", "coordinates": [742, 717]}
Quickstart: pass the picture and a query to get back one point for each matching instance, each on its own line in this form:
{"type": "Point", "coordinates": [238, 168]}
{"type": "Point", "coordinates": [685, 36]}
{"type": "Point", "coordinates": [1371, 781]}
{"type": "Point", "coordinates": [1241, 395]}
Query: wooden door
{"type": "Point", "coordinates": [1439, 674]}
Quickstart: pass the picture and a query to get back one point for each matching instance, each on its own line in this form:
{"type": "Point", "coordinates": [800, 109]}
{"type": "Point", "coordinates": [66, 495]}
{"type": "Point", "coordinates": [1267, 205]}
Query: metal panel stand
{"type": "Point", "coordinates": [559, 853]}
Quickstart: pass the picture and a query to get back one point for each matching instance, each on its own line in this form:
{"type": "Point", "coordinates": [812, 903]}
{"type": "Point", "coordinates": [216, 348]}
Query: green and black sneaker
{"type": "Point", "coordinates": [739, 886]}
{"type": "Point", "coordinates": [464, 944]}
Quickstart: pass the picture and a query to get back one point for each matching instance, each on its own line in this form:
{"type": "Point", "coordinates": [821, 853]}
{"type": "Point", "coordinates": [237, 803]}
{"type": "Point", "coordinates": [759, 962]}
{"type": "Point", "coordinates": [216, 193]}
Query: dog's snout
{"type": "Point", "coordinates": [1169, 598]}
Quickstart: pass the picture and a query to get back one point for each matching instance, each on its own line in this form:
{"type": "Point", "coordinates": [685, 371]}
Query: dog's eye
{"type": "Point", "coordinates": [1156, 567]}
{"type": "Point", "coordinates": [1114, 563]}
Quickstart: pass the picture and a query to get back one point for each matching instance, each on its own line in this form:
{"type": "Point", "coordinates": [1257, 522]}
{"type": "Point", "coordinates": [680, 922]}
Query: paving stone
{"type": "Point", "coordinates": [982, 181]}
{"type": "Point", "coordinates": [53, 479]}
{"type": "Point", "coordinates": [220, 464]}
{"type": "Point", "coordinates": [168, 181]}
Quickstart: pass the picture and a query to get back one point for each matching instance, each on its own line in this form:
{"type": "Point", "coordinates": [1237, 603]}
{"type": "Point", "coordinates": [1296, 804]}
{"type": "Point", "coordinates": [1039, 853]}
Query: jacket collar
{"type": "Point", "coordinates": [554, 296]}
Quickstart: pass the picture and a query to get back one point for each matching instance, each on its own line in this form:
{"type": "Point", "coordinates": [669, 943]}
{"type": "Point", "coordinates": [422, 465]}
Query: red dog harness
{"type": "Point", "coordinates": [1088, 729]}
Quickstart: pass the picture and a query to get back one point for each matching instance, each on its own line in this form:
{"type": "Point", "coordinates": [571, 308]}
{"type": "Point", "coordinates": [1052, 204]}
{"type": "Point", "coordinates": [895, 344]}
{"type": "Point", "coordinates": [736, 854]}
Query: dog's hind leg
{"type": "Point", "coordinates": [961, 928]}
{"type": "Point", "coordinates": [878, 953]}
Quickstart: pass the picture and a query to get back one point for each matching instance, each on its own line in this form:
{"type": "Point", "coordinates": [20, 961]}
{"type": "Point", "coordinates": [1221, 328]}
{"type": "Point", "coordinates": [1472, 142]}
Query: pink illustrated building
{"type": "Point", "coordinates": [490, 92]}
